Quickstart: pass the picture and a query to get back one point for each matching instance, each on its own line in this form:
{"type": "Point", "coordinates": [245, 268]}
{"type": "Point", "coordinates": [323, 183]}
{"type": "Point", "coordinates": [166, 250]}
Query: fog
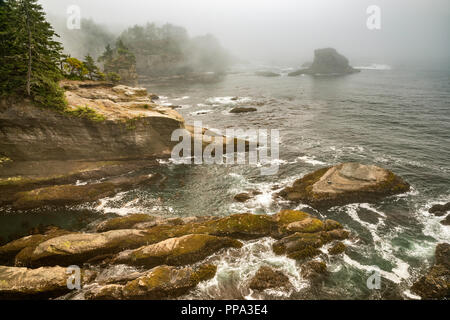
{"type": "Point", "coordinates": [287, 31]}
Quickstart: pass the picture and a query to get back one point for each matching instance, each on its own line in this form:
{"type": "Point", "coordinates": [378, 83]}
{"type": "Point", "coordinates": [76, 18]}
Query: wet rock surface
{"type": "Point", "coordinates": [23, 283]}
{"type": "Point", "coordinates": [440, 209]}
{"type": "Point", "coordinates": [160, 250]}
{"type": "Point", "coordinates": [435, 284]}
{"type": "Point", "coordinates": [343, 184]}
{"type": "Point", "coordinates": [268, 278]}
{"type": "Point", "coordinates": [176, 251]}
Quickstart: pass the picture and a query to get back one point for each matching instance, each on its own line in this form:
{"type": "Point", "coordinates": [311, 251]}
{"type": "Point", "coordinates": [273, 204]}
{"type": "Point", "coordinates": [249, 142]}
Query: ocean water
{"type": "Point", "coordinates": [395, 118]}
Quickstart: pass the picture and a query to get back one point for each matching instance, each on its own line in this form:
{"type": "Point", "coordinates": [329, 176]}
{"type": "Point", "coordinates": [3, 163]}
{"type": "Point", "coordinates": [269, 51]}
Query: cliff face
{"type": "Point", "coordinates": [102, 123]}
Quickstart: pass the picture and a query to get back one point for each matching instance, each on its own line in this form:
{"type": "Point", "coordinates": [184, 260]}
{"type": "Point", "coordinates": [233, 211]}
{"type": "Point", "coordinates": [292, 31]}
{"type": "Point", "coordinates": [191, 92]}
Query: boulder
{"type": "Point", "coordinates": [338, 248]}
{"type": "Point", "coordinates": [268, 74]}
{"type": "Point", "coordinates": [268, 278]}
{"type": "Point", "coordinates": [446, 221]}
{"type": "Point", "coordinates": [242, 110]}
{"type": "Point", "coordinates": [245, 196]}
{"type": "Point", "coordinates": [176, 251]}
{"type": "Point", "coordinates": [127, 222]}
{"type": "Point", "coordinates": [161, 282]}
{"type": "Point", "coordinates": [308, 225]}
{"type": "Point", "coordinates": [9, 251]}
{"type": "Point", "coordinates": [305, 245]}
{"type": "Point", "coordinates": [440, 209]}
{"type": "Point", "coordinates": [167, 282]}
{"type": "Point", "coordinates": [314, 270]}
{"type": "Point", "coordinates": [23, 283]}
{"type": "Point", "coordinates": [343, 184]}
{"type": "Point", "coordinates": [436, 283]}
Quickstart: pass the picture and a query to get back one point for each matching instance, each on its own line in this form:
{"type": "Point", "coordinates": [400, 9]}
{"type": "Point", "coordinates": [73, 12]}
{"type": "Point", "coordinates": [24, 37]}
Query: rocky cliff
{"type": "Point", "coordinates": [102, 122]}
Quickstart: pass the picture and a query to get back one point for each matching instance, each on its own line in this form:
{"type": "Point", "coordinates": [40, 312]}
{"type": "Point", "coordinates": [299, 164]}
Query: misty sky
{"type": "Point", "coordinates": [287, 31]}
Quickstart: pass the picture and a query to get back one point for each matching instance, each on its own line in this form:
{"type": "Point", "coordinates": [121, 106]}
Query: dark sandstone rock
{"type": "Point", "coordinates": [440, 209]}
{"type": "Point", "coordinates": [436, 283]}
{"type": "Point", "coordinates": [242, 110]}
{"type": "Point", "coordinates": [338, 248]}
{"type": "Point", "coordinates": [268, 278]}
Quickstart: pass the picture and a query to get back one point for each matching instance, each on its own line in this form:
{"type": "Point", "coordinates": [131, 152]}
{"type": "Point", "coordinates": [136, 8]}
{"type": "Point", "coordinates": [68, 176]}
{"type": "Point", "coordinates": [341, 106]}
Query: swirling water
{"type": "Point", "coordinates": [397, 119]}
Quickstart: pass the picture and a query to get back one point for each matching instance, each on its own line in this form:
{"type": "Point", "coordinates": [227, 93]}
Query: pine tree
{"type": "Point", "coordinates": [33, 59]}
{"type": "Point", "coordinates": [92, 70]}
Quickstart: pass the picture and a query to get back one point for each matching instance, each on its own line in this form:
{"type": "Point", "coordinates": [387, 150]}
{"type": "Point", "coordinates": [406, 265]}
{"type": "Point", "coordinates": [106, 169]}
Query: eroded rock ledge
{"type": "Point", "coordinates": [170, 251]}
{"type": "Point", "coordinates": [343, 184]}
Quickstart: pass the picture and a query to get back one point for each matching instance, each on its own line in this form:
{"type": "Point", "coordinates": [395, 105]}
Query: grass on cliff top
{"type": "Point", "coordinates": [86, 113]}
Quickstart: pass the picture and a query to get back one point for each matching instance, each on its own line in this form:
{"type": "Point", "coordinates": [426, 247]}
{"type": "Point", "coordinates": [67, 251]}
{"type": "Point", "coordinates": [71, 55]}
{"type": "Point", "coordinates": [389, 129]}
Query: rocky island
{"type": "Point", "coordinates": [326, 62]}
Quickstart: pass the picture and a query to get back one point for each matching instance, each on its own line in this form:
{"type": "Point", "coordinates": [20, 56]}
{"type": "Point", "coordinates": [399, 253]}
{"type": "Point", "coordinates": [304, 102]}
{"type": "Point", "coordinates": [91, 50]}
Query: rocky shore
{"type": "Point", "coordinates": [169, 253]}
{"type": "Point", "coordinates": [107, 142]}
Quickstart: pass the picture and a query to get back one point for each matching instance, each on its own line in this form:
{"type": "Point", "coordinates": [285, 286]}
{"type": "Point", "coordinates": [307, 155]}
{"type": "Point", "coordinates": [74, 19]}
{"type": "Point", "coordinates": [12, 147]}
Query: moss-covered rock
{"type": "Point", "coordinates": [127, 222]}
{"type": "Point", "coordinates": [343, 184]}
{"type": "Point", "coordinates": [9, 251]}
{"type": "Point", "coordinates": [176, 251]}
{"type": "Point", "coordinates": [268, 278]}
{"type": "Point", "coordinates": [308, 225]}
{"type": "Point", "coordinates": [436, 283]}
{"type": "Point", "coordinates": [301, 245]}
{"type": "Point", "coordinates": [338, 248]}
{"type": "Point", "coordinates": [167, 282]}
{"type": "Point", "coordinates": [77, 248]}
{"type": "Point", "coordinates": [107, 292]}
{"type": "Point", "coordinates": [314, 270]}
{"type": "Point", "coordinates": [285, 217]}
{"type": "Point", "coordinates": [23, 283]}
{"type": "Point", "coordinates": [73, 194]}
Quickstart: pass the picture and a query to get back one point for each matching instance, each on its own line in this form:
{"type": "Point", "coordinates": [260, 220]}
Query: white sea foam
{"type": "Point", "coordinates": [311, 160]}
{"type": "Point", "coordinates": [383, 245]}
{"type": "Point", "coordinates": [375, 66]}
{"type": "Point", "coordinates": [239, 267]}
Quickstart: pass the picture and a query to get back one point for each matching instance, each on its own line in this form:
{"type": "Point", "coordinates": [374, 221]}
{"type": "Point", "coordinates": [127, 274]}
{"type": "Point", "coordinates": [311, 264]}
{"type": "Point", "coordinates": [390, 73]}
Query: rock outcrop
{"type": "Point", "coordinates": [343, 184]}
{"type": "Point", "coordinates": [440, 209]}
{"type": "Point", "coordinates": [268, 278]}
{"type": "Point", "coordinates": [243, 110]}
{"type": "Point", "coordinates": [162, 244]}
{"type": "Point", "coordinates": [267, 74]}
{"type": "Point", "coordinates": [436, 283]}
{"type": "Point", "coordinates": [176, 251]}
{"type": "Point", "coordinates": [75, 194]}
{"type": "Point", "coordinates": [327, 62]}
{"type": "Point", "coordinates": [100, 123]}
{"type": "Point", "coordinates": [160, 283]}
{"type": "Point", "coordinates": [23, 283]}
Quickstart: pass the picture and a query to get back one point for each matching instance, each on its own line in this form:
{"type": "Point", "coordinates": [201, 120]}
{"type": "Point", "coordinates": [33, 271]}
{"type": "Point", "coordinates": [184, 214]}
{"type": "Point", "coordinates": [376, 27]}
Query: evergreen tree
{"type": "Point", "coordinates": [93, 71]}
{"type": "Point", "coordinates": [32, 60]}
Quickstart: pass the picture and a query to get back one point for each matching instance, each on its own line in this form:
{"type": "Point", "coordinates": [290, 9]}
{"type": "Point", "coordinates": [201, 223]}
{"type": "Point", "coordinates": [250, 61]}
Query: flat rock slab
{"type": "Point", "coordinates": [343, 184]}
{"type": "Point", "coordinates": [16, 283]}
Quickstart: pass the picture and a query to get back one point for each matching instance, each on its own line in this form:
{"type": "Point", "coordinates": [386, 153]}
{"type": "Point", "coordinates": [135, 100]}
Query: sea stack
{"type": "Point", "coordinates": [327, 62]}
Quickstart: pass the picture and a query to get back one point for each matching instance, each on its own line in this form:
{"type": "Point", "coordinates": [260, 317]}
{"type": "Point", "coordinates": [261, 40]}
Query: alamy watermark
{"type": "Point", "coordinates": [74, 17]}
{"type": "Point", "coordinates": [374, 280]}
{"type": "Point", "coordinates": [74, 279]}
{"type": "Point", "coordinates": [234, 146]}
{"type": "Point", "coordinates": [374, 19]}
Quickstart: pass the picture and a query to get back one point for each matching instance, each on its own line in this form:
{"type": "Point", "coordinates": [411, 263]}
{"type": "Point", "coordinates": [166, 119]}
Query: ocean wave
{"type": "Point", "coordinates": [238, 266]}
{"type": "Point", "coordinates": [375, 66]}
